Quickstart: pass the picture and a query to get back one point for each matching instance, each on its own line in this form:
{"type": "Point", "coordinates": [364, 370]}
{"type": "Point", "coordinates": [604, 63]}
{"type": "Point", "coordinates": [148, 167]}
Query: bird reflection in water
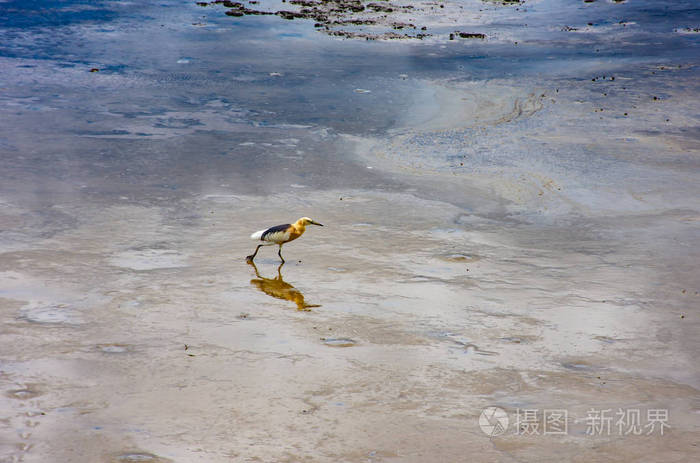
{"type": "Point", "coordinates": [280, 289]}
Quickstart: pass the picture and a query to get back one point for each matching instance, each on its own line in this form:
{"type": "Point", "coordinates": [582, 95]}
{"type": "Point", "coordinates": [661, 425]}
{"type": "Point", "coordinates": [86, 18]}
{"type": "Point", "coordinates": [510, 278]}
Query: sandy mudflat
{"type": "Point", "coordinates": [526, 239]}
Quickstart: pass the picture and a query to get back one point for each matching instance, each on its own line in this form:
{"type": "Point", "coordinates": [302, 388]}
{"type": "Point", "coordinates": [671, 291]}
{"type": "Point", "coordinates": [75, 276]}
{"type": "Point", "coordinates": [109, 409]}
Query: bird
{"type": "Point", "coordinates": [281, 234]}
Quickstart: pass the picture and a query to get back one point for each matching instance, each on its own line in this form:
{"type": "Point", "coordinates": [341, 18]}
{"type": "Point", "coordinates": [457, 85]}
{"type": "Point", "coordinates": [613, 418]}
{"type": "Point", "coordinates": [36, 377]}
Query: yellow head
{"type": "Point", "coordinates": [304, 221]}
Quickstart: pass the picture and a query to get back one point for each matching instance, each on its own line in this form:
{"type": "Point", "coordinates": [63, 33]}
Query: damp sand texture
{"type": "Point", "coordinates": [507, 269]}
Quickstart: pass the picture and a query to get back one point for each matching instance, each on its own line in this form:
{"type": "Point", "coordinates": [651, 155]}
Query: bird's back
{"type": "Point", "coordinates": [277, 234]}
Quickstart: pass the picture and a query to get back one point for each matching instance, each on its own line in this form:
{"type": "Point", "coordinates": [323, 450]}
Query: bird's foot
{"type": "Point", "coordinates": [249, 258]}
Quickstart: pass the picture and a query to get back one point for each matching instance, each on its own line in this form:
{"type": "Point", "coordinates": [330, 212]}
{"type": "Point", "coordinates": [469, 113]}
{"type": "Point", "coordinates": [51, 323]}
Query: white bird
{"type": "Point", "coordinates": [281, 234]}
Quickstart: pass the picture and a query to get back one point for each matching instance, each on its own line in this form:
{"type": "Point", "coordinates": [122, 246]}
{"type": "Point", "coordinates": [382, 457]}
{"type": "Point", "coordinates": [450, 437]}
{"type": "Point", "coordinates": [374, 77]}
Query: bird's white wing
{"type": "Point", "coordinates": [257, 235]}
{"type": "Point", "coordinates": [276, 237]}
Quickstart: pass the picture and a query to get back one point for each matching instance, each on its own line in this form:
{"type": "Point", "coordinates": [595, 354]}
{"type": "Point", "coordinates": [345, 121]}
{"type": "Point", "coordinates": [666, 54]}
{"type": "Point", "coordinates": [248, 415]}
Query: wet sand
{"type": "Point", "coordinates": [487, 242]}
{"type": "Point", "coordinates": [166, 341]}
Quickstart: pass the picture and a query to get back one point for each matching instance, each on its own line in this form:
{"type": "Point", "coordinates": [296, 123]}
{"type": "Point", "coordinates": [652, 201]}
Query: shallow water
{"type": "Point", "coordinates": [510, 225]}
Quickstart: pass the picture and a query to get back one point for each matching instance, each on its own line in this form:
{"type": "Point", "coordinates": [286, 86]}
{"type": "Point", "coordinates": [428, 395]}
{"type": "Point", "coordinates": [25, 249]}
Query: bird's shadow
{"type": "Point", "coordinates": [280, 289]}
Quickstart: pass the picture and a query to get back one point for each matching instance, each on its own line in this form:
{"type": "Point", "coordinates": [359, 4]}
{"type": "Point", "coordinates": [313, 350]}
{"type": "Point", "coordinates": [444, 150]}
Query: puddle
{"type": "Point", "coordinates": [338, 342]}
{"type": "Point", "coordinates": [23, 394]}
{"type": "Point", "coordinates": [113, 348]}
{"type": "Point", "coordinates": [55, 314]}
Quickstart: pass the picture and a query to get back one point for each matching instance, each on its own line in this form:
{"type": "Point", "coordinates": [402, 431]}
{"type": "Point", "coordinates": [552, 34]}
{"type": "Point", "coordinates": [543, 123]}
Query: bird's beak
{"type": "Point", "coordinates": [316, 223]}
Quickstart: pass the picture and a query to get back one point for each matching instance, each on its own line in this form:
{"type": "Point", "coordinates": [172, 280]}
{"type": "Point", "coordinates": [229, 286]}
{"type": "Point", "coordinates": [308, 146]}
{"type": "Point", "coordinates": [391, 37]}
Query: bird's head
{"type": "Point", "coordinates": [304, 221]}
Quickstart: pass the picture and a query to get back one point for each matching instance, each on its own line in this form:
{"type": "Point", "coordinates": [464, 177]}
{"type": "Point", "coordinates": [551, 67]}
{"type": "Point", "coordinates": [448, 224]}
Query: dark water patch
{"type": "Point", "coordinates": [47, 13]}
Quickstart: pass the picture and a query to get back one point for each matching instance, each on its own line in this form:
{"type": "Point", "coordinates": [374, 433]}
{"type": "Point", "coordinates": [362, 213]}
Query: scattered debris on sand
{"type": "Point", "coordinates": [471, 35]}
{"type": "Point", "coordinates": [688, 30]}
{"type": "Point", "coordinates": [357, 19]}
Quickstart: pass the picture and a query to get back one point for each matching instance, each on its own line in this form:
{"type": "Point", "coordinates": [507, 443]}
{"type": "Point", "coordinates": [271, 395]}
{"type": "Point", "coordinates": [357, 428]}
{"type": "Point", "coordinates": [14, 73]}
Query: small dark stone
{"type": "Point", "coordinates": [471, 35]}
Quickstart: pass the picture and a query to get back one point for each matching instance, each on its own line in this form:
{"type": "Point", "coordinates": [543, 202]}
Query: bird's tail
{"type": "Point", "coordinates": [257, 235]}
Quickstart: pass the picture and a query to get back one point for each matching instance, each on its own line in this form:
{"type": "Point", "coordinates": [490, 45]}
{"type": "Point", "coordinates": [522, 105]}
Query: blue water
{"type": "Point", "coordinates": [168, 69]}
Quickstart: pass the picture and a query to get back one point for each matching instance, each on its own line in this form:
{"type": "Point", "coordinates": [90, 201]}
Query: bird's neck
{"type": "Point", "coordinates": [299, 226]}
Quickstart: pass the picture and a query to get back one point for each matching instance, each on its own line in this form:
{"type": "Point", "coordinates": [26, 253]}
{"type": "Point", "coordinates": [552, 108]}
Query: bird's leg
{"type": "Point", "coordinates": [279, 253]}
{"type": "Point", "coordinates": [252, 256]}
